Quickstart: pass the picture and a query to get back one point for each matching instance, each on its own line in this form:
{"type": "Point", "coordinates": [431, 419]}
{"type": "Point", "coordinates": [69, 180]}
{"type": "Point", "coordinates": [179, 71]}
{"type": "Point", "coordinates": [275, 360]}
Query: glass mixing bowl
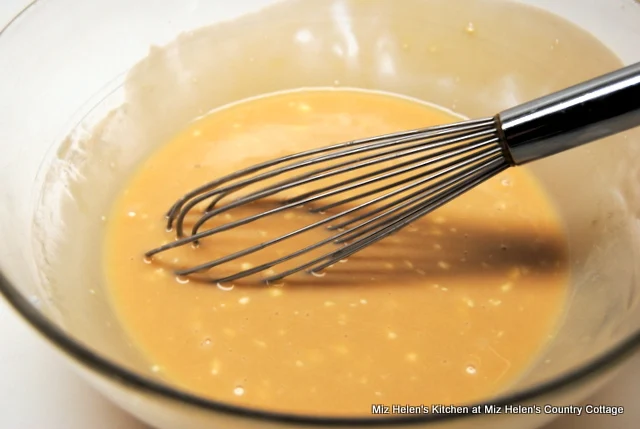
{"type": "Point", "coordinates": [66, 65]}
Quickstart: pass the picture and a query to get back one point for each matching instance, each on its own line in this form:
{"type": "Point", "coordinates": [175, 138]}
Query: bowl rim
{"type": "Point", "coordinates": [117, 374]}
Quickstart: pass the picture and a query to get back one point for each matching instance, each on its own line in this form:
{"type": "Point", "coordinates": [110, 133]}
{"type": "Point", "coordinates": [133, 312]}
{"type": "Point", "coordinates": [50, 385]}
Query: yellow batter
{"type": "Point", "coordinates": [440, 313]}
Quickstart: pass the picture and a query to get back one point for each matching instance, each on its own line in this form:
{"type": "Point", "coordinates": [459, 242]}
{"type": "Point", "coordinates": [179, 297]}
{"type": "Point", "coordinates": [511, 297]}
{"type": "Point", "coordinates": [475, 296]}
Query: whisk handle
{"type": "Point", "coordinates": [569, 118]}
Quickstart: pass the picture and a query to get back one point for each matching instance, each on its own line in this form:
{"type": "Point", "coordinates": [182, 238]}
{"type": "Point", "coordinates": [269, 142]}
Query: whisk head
{"type": "Point", "coordinates": [357, 193]}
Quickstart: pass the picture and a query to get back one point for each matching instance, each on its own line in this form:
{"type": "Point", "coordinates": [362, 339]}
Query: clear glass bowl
{"type": "Point", "coordinates": [68, 64]}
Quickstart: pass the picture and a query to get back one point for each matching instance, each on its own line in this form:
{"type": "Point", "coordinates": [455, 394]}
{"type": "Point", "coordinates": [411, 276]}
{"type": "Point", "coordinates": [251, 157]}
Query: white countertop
{"type": "Point", "coordinates": [39, 391]}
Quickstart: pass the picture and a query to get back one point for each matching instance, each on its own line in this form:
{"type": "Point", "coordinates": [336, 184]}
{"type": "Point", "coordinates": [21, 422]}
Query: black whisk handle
{"type": "Point", "coordinates": [583, 113]}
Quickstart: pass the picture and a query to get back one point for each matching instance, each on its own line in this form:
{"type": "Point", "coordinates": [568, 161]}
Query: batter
{"type": "Point", "coordinates": [439, 313]}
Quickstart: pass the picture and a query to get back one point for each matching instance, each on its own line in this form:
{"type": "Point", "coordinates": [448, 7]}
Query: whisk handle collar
{"type": "Point", "coordinates": [592, 110]}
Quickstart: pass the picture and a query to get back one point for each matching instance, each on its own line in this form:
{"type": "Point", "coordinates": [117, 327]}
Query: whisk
{"type": "Point", "coordinates": [414, 173]}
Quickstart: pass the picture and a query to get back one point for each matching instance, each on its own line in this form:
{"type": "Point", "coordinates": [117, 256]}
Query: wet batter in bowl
{"type": "Point", "coordinates": [439, 313]}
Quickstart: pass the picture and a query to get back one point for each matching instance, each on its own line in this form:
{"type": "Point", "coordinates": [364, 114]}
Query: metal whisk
{"type": "Point", "coordinates": [381, 184]}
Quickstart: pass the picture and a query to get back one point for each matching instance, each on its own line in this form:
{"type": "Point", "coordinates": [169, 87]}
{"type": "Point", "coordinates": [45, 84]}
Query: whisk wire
{"type": "Point", "coordinates": [441, 163]}
{"type": "Point", "coordinates": [196, 235]}
{"type": "Point", "coordinates": [178, 205]}
{"type": "Point", "coordinates": [381, 142]}
{"type": "Point", "coordinates": [392, 171]}
{"type": "Point", "coordinates": [394, 205]}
